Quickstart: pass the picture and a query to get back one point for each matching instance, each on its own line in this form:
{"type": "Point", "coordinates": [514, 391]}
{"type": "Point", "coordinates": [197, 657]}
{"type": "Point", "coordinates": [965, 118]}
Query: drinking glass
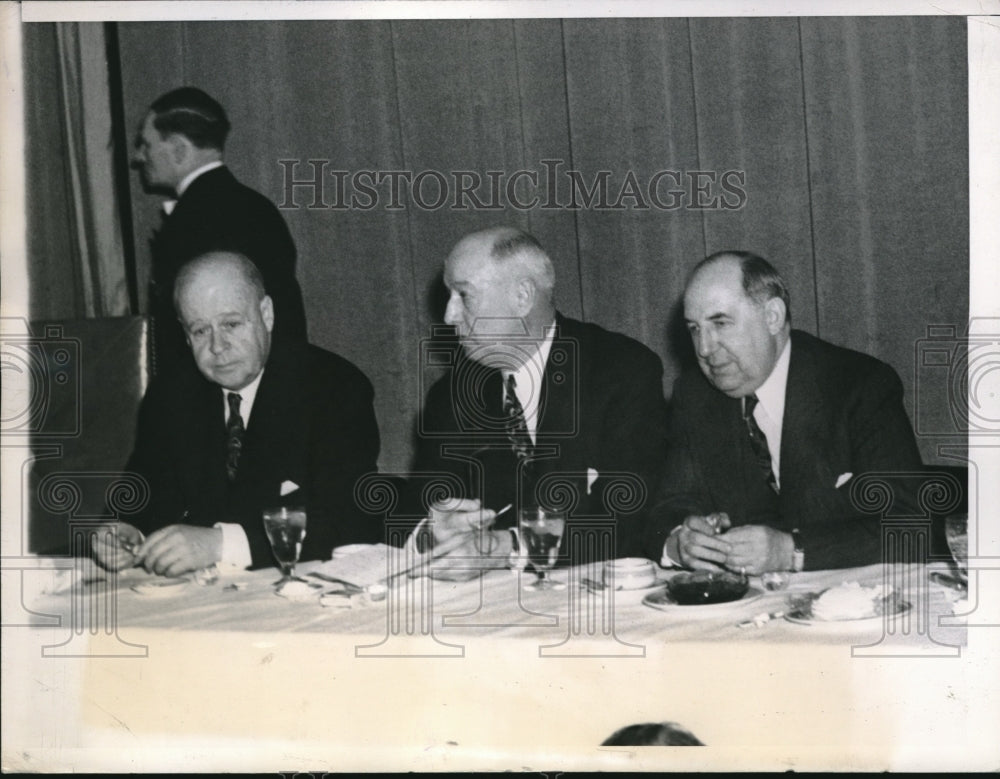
{"type": "Point", "coordinates": [956, 533]}
{"type": "Point", "coordinates": [286, 528]}
{"type": "Point", "coordinates": [541, 532]}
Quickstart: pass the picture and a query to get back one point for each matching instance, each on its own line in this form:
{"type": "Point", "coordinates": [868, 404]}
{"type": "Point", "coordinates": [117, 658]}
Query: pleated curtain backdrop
{"type": "Point", "coordinates": [845, 141]}
{"type": "Point", "coordinates": [78, 261]}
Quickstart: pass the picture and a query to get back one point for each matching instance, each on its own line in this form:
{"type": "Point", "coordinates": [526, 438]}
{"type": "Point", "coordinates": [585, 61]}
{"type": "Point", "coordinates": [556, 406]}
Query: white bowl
{"type": "Point", "coordinates": [629, 573]}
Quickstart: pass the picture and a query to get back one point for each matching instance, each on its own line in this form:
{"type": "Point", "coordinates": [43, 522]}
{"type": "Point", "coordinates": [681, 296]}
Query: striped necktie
{"type": "Point", "coordinates": [758, 441]}
{"type": "Point", "coordinates": [234, 435]}
{"type": "Point", "coordinates": [517, 428]}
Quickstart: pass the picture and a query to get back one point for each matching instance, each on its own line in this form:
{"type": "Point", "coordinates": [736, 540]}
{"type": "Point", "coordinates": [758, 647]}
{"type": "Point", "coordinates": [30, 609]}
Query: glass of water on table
{"type": "Point", "coordinates": [541, 532]}
{"type": "Point", "coordinates": [286, 528]}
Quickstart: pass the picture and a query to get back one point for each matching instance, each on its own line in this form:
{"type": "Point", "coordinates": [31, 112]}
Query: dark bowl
{"type": "Point", "coordinates": [704, 587]}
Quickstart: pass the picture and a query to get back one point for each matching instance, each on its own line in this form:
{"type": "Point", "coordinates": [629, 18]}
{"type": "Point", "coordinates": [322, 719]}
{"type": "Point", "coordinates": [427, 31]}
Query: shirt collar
{"type": "Point", "coordinates": [529, 375]}
{"type": "Point", "coordinates": [247, 396]}
{"type": "Point", "coordinates": [771, 393]}
{"type": "Point", "coordinates": [169, 205]}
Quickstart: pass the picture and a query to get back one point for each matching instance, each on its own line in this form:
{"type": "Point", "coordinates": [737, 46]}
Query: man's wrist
{"type": "Point", "coordinates": [233, 548]}
{"type": "Point", "coordinates": [798, 555]}
{"type": "Point", "coordinates": [672, 549]}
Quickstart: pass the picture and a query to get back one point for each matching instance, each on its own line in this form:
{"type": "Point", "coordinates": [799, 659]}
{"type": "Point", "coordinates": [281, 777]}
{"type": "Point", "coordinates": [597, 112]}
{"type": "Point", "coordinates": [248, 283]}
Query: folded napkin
{"type": "Point", "coordinates": [378, 563]}
{"type": "Point", "coordinates": [367, 565]}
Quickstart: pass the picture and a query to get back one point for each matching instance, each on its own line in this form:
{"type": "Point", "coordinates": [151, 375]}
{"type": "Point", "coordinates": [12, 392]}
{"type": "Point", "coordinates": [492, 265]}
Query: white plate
{"type": "Point", "coordinates": [663, 602]}
{"type": "Point", "coordinates": [631, 597]}
{"type": "Point", "coordinates": [349, 549]}
{"type": "Point", "coordinates": [803, 616]}
{"type": "Point", "coordinates": [160, 588]}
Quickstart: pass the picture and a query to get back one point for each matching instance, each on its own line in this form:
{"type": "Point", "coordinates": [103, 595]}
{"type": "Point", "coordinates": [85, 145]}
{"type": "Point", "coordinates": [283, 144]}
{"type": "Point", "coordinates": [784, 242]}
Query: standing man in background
{"type": "Point", "coordinates": [178, 153]}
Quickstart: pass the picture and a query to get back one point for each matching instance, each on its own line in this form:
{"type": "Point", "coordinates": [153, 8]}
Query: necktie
{"type": "Point", "coordinates": [234, 435]}
{"type": "Point", "coordinates": [758, 441]}
{"type": "Point", "coordinates": [517, 428]}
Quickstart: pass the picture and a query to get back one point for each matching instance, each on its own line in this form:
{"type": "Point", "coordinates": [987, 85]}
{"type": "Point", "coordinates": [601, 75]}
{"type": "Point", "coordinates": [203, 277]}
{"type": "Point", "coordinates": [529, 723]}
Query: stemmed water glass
{"type": "Point", "coordinates": [286, 528]}
{"type": "Point", "coordinates": [541, 531]}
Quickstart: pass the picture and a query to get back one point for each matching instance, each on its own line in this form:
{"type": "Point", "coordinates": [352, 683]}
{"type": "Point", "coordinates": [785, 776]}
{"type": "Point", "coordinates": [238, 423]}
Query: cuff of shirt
{"type": "Point", "coordinates": [666, 561]}
{"type": "Point", "coordinates": [235, 547]}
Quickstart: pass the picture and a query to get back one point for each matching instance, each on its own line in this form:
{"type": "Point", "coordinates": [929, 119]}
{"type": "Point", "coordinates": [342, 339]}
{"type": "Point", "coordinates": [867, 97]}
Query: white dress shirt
{"type": "Point", "coordinates": [235, 547]}
{"type": "Point", "coordinates": [769, 413]}
{"type": "Point", "coordinates": [770, 409]}
{"type": "Point", "coordinates": [528, 380]}
{"type": "Point", "coordinates": [169, 205]}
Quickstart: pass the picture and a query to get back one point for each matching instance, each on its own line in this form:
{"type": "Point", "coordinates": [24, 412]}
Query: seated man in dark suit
{"type": "Point", "coordinates": [261, 424]}
{"type": "Point", "coordinates": [178, 153]}
{"type": "Point", "coordinates": [536, 406]}
{"type": "Point", "coordinates": [764, 440]}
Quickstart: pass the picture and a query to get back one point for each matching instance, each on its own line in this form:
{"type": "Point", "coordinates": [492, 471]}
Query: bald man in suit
{"type": "Point", "coordinates": [767, 433]}
{"type": "Point", "coordinates": [260, 424]}
{"type": "Point", "coordinates": [536, 406]}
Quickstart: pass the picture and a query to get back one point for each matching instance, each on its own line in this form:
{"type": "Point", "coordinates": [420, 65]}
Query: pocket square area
{"type": "Point", "coordinates": [842, 480]}
{"type": "Point", "coordinates": [288, 487]}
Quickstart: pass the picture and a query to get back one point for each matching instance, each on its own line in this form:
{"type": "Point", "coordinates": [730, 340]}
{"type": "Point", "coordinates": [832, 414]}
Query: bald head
{"type": "Point", "coordinates": [233, 267]}
{"type": "Point", "coordinates": [515, 253]}
{"type": "Point", "coordinates": [738, 321]}
{"type": "Point", "coordinates": [226, 316]}
{"type": "Point", "coordinates": [501, 285]}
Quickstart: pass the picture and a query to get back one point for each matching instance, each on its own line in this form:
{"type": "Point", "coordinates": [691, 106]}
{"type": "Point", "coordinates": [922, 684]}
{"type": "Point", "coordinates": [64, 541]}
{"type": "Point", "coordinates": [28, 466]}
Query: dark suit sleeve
{"type": "Point", "coordinates": [436, 427]}
{"type": "Point", "coordinates": [881, 441]}
{"type": "Point", "coordinates": [151, 462]}
{"type": "Point", "coordinates": [680, 491]}
{"type": "Point", "coordinates": [632, 442]}
{"type": "Point", "coordinates": [344, 446]}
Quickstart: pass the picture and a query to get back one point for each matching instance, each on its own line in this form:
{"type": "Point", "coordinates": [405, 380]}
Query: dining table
{"type": "Point", "coordinates": [228, 670]}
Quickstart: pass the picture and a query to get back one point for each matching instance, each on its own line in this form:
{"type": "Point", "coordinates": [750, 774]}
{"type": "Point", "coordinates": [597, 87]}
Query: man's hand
{"type": "Point", "coordinates": [478, 551]}
{"type": "Point", "coordinates": [759, 548]}
{"type": "Point", "coordinates": [461, 540]}
{"type": "Point", "coordinates": [450, 520]}
{"type": "Point", "coordinates": [698, 544]}
{"type": "Point", "coordinates": [117, 545]}
{"type": "Point", "coordinates": [177, 549]}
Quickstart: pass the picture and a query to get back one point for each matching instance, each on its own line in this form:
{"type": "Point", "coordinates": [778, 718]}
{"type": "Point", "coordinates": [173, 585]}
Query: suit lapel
{"type": "Point", "coordinates": [561, 385]}
{"type": "Point", "coordinates": [723, 422]}
{"type": "Point", "coordinates": [277, 439]}
{"type": "Point", "coordinates": [204, 458]}
{"type": "Point", "coordinates": [805, 439]}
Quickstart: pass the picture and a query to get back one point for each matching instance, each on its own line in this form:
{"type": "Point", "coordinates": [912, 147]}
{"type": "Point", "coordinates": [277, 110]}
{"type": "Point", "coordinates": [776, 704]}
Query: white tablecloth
{"type": "Point", "coordinates": [495, 604]}
{"type": "Point", "coordinates": [216, 678]}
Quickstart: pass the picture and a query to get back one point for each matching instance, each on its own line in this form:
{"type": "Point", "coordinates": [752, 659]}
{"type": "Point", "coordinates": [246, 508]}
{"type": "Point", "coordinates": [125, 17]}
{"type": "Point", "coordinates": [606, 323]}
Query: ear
{"type": "Point", "coordinates": [774, 315]}
{"type": "Point", "coordinates": [180, 148]}
{"type": "Point", "coordinates": [525, 293]}
{"type": "Point", "coordinates": [267, 312]}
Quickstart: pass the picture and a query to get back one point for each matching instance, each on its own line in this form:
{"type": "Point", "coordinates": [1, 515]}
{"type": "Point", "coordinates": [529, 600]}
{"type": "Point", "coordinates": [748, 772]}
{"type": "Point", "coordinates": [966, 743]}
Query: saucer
{"type": "Point", "coordinates": [630, 597]}
{"type": "Point", "coordinates": [662, 601]}
{"type": "Point", "coordinates": [161, 588]}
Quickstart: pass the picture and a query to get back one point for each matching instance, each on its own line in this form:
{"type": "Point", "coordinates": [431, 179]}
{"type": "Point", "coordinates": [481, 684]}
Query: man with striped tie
{"type": "Point", "coordinates": [262, 423]}
{"type": "Point", "coordinates": [767, 433]}
{"type": "Point", "coordinates": [536, 408]}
